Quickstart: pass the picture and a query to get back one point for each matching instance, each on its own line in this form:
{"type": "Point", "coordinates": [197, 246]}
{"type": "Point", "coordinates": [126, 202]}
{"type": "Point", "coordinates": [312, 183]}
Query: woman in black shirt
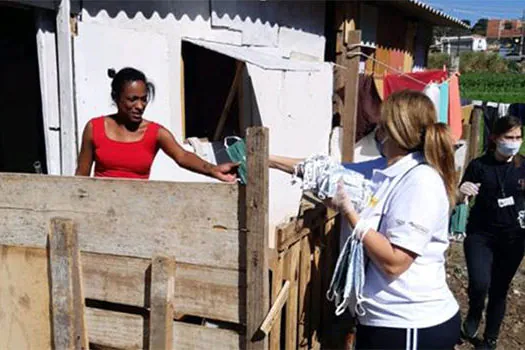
{"type": "Point", "coordinates": [495, 241]}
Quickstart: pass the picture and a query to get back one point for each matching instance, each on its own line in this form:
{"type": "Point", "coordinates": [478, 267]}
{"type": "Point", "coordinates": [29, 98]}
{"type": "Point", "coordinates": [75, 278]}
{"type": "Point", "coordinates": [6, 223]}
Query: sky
{"type": "Point", "coordinates": [476, 9]}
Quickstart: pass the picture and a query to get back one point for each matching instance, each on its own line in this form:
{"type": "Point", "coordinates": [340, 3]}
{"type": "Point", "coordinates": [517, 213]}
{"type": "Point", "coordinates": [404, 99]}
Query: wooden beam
{"type": "Point", "coordinates": [162, 299]}
{"type": "Point", "coordinates": [351, 74]}
{"type": "Point", "coordinates": [277, 285]}
{"type": "Point", "coordinates": [317, 296]}
{"type": "Point", "coordinates": [291, 268]}
{"type": "Point", "coordinates": [68, 136]}
{"type": "Point", "coordinates": [237, 79]}
{"type": "Point", "coordinates": [69, 329]}
{"type": "Point", "coordinates": [257, 198]}
{"type": "Point", "coordinates": [305, 270]}
{"type": "Point", "coordinates": [275, 310]}
{"type": "Point", "coordinates": [240, 106]}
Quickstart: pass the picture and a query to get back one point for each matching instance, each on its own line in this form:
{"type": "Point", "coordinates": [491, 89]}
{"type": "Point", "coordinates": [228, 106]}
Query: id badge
{"type": "Point", "coordinates": [506, 202]}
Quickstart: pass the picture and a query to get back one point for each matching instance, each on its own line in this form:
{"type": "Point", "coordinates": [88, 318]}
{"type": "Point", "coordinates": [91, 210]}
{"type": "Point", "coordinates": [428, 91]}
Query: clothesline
{"type": "Point", "coordinates": [389, 67]}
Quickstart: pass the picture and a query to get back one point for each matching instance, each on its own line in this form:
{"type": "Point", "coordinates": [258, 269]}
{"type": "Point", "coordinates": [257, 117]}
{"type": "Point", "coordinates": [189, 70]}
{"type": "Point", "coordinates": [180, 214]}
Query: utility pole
{"type": "Point", "coordinates": [522, 46]}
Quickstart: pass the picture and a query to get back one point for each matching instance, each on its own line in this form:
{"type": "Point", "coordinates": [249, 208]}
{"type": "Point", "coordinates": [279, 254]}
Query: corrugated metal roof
{"type": "Point", "coordinates": [258, 57]}
{"type": "Point", "coordinates": [435, 16]}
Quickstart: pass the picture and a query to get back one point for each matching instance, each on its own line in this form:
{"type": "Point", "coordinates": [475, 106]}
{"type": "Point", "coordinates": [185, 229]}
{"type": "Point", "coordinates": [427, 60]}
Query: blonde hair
{"type": "Point", "coordinates": [409, 118]}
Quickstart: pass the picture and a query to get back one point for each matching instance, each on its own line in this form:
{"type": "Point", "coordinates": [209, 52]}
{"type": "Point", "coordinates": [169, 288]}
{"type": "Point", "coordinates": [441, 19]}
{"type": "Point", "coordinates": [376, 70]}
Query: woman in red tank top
{"type": "Point", "coordinates": [123, 145]}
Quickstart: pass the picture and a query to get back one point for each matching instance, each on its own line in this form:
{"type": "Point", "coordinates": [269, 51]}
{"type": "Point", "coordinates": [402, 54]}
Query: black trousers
{"type": "Point", "coordinates": [441, 337]}
{"type": "Point", "coordinates": [492, 262]}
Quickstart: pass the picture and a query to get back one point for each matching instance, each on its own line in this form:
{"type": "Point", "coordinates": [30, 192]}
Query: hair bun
{"type": "Point", "coordinates": [112, 73]}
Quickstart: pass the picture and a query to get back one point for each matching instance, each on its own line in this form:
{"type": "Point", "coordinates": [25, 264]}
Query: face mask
{"type": "Point", "coordinates": [381, 145]}
{"type": "Point", "coordinates": [507, 148]}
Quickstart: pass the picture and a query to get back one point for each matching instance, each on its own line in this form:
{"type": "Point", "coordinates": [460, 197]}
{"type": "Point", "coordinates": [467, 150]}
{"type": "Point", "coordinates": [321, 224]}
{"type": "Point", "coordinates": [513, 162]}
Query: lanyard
{"type": "Point", "coordinates": [501, 182]}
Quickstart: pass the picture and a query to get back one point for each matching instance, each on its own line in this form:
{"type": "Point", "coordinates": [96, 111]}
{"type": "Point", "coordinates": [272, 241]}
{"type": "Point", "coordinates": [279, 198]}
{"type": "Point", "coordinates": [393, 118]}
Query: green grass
{"type": "Point", "coordinates": [494, 87]}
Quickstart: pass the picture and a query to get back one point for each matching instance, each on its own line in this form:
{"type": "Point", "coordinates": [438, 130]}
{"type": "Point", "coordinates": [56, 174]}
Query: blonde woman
{"type": "Point", "coordinates": [407, 302]}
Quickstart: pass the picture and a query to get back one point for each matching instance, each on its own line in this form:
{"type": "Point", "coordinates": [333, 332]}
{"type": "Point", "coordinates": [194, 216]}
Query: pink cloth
{"type": "Point", "coordinates": [394, 82]}
{"type": "Point", "coordinates": [454, 108]}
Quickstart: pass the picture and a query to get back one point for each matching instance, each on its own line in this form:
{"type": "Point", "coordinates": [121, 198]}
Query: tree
{"type": "Point", "coordinates": [439, 32]}
{"type": "Point", "coordinates": [480, 27]}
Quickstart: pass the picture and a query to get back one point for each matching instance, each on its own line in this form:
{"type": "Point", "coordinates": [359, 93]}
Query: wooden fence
{"type": "Point", "coordinates": [159, 265]}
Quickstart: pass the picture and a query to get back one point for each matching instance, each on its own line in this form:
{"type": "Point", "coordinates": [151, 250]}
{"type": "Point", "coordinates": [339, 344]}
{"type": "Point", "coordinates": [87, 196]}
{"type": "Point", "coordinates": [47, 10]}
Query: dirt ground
{"type": "Point", "coordinates": [512, 334]}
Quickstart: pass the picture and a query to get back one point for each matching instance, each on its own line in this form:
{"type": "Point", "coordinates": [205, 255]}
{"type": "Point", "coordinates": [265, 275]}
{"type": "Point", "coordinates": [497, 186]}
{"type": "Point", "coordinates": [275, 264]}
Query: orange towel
{"type": "Point", "coordinates": [454, 108]}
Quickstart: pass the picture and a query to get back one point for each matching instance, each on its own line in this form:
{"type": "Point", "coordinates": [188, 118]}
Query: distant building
{"type": "Point", "coordinates": [453, 45]}
{"type": "Point", "coordinates": [504, 36]}
{"type": "Point", "coordinates": [502, 28]}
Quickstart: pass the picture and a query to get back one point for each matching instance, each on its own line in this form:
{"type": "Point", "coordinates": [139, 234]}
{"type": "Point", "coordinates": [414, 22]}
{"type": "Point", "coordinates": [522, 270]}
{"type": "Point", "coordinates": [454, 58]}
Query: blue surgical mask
{"type": "Point", "coordinates": [508, 148]}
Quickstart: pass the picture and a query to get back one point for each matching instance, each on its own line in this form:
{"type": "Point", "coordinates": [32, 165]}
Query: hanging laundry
{"type": "Point", "coordinates": [517, 110]}
{"type": "Point", "coordinates": [503, 109]}
{"type": "Point", "coordinates": [454, 108]}
{"type": "Point", "coordinates": [490, 115]}
{"type": "Point", "coordinates": [432, 91]}
{"type": "Point", "coordinates": [443, 103]}
{"type": "Point", "coordinates": [368, 106]}
{"type": "Point", "coordinates": [466, 112]}
{"type": "Point", "coordinates": [413, 81]}
{"type": "Point", "coordinates": [466, 102]}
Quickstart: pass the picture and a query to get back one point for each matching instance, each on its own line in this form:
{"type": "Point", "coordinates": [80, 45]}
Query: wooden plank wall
{"type": "Point", "coordinates": [25, 320]}
{"type": "Point", "coordinates": [196, 222]}
{"type": "Point", "coordinates": [121, 224]}
{"type": "Point", "coordinates": [307, 250]}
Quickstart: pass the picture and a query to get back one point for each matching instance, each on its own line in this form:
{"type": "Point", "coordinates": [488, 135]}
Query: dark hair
{"type": "Point", "coordinates": [126, 75]}
{"type": "Point", "coordinates": [500, 127]}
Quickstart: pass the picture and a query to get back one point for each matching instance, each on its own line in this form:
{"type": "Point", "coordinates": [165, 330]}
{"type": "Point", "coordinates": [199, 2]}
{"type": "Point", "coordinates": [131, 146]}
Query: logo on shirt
{"type": "Point", "coordinates": [373, 201]}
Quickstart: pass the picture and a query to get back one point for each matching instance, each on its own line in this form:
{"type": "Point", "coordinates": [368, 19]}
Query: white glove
{"type": "Point", "coordinates": [341, 200]}
{"type": "Point", "coordinates": [469, 189]}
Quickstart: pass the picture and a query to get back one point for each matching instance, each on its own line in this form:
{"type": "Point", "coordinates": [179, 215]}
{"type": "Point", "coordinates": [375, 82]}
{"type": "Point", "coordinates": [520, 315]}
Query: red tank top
{"type": "Point", "coordinates": [131, 160]}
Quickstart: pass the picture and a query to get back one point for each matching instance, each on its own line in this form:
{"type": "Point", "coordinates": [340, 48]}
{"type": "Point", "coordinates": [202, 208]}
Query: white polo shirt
{"type": "Point", "coordinates": [416, 216]}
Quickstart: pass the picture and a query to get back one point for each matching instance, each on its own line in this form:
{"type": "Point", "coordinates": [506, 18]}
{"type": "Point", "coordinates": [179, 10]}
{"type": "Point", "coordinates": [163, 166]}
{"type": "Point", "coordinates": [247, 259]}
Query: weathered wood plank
{"type": "Point", "coordinates": [67, 299]}
{"type": "Point", "coordinates": [236, 83]}
{"type": "Point", "coordinates": [291, 267]}
{"type": "Point", "coordinates": [199, 290]}
{"type": "Point", "coordinates": [257, 198]}
{"type": "Point", "coordinates": [275, 311]}
{"type": "Point", "coordinates": [131, 218]}
{"type": "Point", "coordinates": [126, 331]}
{"type": "Point", "coordinates": [312, 214]}
{"type": "Point", "coordinates": [349, 116]}
{"type": "Point", "coordinates": [303, 331]}
{"type": "Point", "coordinates": [24, 299]}
{"type": "Point", "coordinates": [317, 296]}
{"type": "Point", "coordinates": [162, 298]}
{"type": "Point", "coordinates": [277, 285]}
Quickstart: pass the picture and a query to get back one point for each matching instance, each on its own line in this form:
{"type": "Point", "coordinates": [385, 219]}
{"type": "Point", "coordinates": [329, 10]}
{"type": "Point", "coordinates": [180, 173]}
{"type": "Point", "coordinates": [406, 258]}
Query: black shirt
{"type": "Point", "coordinates": [498, 180]}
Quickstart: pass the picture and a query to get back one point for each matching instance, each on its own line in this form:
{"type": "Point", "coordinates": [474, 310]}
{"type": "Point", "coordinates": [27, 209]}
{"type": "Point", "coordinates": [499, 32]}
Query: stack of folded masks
{"type": "Point", "coordinates": [320, 175]}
